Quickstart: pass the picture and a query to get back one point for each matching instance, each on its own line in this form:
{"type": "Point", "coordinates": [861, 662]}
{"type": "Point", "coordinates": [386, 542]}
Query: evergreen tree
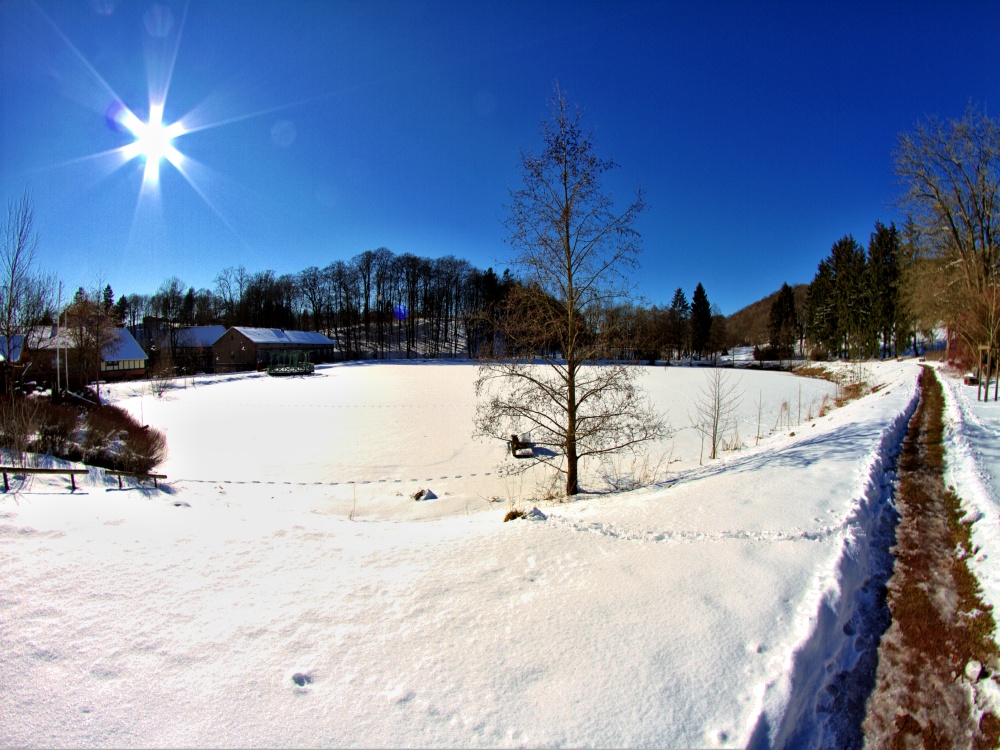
{"type": "Point", "coordinates": [701, 320]}
{"type": "Point", "coordinates": [822, 323]}
{"type": "Point", "coordinates": [677, 323]}
{"type": "Point", "coordinates": [122, 308]}
{"type": "Point", "coordinates": [187, 308]}
{"type": "Point", "coordinates": [852, 298]}
{"type": "Point", "coordinates": [107, 298]}
{"type": "Point", "coordinates": [884, 279]}
{"type": "Point", "coordinates": [784, 323]}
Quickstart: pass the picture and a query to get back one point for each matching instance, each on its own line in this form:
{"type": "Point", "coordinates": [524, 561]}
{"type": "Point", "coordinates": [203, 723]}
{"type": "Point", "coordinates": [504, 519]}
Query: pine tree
{"type": "Point", "coordinates": [678, 319]}
{"type": "Point", "coordinates": [852, 298]}
{"type": "Point", "coordinates": [822, 323]}
{"type": "Point", "coordinates": [701, 320]}
{"type": "Point", "coordinates": [784, 323]}
{"type": "Point", "coordinates": [884, 275]}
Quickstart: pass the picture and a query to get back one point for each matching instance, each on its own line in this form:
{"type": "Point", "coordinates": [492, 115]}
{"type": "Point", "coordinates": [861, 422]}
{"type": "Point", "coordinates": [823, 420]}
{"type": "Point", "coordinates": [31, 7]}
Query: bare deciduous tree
{"type": "Point", "coordinates": [952, 176]}
{"type": "Point", "coordinates": [572, 250]}
{"type": "Point", "coordinates": [25, 293]}
{"type": "Point", "coordinates": [93, 332]}
{"type": "Point", "coordinates": [715, 409]}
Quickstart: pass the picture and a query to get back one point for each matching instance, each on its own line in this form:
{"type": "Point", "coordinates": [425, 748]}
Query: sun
{"type": "Point", "coordinates": [153, 141]}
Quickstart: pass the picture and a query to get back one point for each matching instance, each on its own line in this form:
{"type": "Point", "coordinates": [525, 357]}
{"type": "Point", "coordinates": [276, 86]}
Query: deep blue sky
{"type": "Point", "coordinates": [761, 132]}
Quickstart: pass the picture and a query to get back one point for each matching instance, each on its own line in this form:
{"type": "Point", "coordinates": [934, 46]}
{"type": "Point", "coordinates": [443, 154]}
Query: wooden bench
{"type": "Point", "coordinates": [16, 470]}
{"type": "Point", "coordinates": [521, 446]}
{"type": "Point", "coordinates": [137, 474]}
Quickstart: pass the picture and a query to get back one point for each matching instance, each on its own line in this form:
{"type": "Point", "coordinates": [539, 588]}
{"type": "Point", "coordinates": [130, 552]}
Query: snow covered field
{"type": "Point", "coordinates": [285, 590]}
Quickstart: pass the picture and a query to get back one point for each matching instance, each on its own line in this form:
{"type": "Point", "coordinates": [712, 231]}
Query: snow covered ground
{"type": "Point", "coordinates": [285, 590]}
{"type": "Point", "coordinates": [972, 446]}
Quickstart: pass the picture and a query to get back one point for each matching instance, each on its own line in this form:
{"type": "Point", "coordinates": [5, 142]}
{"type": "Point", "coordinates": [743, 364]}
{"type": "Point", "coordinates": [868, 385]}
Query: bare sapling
{"type": "Point", "coordinates": [715, 408]}
{"type": "Point", "coordinates": [760, 412]}
{"type": "Point", "coordinates": [784, 417]}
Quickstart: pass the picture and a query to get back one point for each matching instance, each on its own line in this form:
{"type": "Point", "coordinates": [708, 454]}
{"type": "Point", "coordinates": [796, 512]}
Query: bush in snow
{"type": "Point", "coordinates": [106, 436]}
{"type": "Point", "coordinates": [115, 440]}
{"type": "Point", "coordinates": [144, 449]}
{"type": "Point", "coordinates": [57, 425]}
{"type": "Point", "coordinates": [18, 423]}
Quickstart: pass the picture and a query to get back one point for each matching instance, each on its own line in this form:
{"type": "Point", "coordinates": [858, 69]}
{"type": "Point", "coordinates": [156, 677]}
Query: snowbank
{"type": "Point", "coordinates": [972, 445]}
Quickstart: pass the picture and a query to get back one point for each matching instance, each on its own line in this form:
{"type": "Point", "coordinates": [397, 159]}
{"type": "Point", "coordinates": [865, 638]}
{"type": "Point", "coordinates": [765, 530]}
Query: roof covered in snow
{"type": "Point", "coordinates": [52, 337]}
{"type": "Point", "coordinates": [197, 336]}
{"type": "Point", "coordinates": [281, 336]}
{"type": "Point", "coordinates": [126, 347]}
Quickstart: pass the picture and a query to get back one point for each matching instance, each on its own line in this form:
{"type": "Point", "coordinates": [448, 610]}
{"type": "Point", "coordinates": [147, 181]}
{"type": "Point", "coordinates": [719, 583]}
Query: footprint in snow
{"type": "Point", "coordinates": [301, 680]}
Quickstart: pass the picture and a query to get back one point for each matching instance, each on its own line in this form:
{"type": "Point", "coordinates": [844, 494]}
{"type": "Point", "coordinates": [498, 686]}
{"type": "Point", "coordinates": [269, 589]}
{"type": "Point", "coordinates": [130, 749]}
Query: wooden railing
{"type": "Point", "coordinates": [17, 470]}
{"type": "Point", "coordinates": [72, 474]}
{"type": "Point", "coordinates": [139, 475]}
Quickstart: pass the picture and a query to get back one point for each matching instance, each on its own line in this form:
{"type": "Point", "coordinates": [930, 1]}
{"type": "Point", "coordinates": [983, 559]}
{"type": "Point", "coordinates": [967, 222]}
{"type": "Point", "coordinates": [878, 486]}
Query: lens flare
{"type": "Point", "coordinates": [152, 139]}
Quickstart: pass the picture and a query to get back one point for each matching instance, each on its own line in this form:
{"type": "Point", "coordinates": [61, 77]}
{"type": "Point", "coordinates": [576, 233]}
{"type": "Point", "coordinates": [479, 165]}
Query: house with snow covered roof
{"type": "Point", "coordinates": [192, 347]}
{"type": "Point", "coordinates": [122, 358]}
{"type": "Point", "coordinates": [244, 348]}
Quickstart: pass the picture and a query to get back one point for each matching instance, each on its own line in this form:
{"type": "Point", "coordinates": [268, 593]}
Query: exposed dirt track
{"type": "Point", "coordinates": [938, 654]}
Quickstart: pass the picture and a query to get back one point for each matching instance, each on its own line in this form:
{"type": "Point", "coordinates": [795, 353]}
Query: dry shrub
{"type": "Point", "coordinates": [111, 437]}
{"type": "Point", "coordinates": [819, 354]}
{"type": "Point", "coordinates": [818, 372]}
{"type": "Point", "coordinates": [115, 440]}
{"type": "Point", "coordinates": [850, 392]}
{"type": "Point", "coordinates": [57, 424]}
{"type": "Point", "coordinates": [103, 428]}
{"type": "Point", "coordinates": [18, 424]}
{"type": "Point", "coordinates": [144, 450]}
{"type": "Point", "coordinates": [824, 407]}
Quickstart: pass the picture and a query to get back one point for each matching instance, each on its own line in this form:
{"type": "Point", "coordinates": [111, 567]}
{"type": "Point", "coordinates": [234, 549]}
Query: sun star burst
{"type": "Point", "coordinates": [153, 142]}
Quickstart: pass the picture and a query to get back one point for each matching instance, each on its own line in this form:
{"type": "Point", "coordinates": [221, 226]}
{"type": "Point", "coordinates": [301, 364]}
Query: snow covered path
{"type": "Point", "coordinates": [699, 613]}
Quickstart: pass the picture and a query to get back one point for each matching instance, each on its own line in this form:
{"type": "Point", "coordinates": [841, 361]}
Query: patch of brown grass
{"type": "Point", "coordinates": [850, 392]}
{"type": "Point", "coordinates": [818, 372]}
{"type": "Point", "coordinates": [940, 621]}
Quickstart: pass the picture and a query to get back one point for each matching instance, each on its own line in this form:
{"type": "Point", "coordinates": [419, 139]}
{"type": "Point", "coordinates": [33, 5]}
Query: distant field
{"type": "Point", "coordinates": [411, 423]}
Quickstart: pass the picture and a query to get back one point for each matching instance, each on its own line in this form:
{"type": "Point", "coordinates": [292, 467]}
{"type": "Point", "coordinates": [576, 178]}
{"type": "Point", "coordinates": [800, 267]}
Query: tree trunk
{"type": "Point", "coordinates": [572, 460]}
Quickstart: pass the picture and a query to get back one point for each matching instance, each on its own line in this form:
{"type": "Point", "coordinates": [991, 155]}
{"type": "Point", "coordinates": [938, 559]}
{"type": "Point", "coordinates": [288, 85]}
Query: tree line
{"type": "Point", "coordinates": [854, 306]}
{"type": "Point", "coordinates": [379, 302]}
{"type": "Point", "coordinates": [942, 269]}
{"type": "Point", "coordinates": [681, 329]}
{"type": "Point", "coordinates": [373, 304]}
